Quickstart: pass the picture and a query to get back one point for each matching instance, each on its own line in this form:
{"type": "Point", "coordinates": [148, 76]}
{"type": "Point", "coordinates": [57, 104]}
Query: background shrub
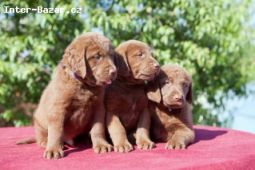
{"type": "Point", "coordinates": [213, 40]}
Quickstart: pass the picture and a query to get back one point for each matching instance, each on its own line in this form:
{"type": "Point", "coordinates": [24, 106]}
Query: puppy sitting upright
{"type": "Point", "coordinates": [72, 103]}
{"type": "Point", "coordinates": [126, 101]}
{"type": "Point", "coordinates": [170, 98]}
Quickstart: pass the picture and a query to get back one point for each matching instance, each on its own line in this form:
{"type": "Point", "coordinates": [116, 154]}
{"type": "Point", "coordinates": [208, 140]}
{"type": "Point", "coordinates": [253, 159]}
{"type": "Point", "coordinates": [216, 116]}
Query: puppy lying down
{"type": "Point", "coordinates": [72, 103]}
{"type": "Point", "coordinates": [170, 98]}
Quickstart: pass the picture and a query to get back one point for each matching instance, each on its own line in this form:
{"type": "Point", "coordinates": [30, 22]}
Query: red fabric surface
{"type": "Point", "coordinates": [215, 148]}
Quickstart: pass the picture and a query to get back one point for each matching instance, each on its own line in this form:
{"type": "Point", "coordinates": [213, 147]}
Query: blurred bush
{"type": "Point", "coordinates": [213, 40]}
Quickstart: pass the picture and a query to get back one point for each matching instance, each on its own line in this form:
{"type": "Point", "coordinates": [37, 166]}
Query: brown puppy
{"type": "Point", "coordinates": [72, 103]}
{"type": "Point", "coordinates": [170, 98]}
{"type": "Point", "coordinates": [126, 101]}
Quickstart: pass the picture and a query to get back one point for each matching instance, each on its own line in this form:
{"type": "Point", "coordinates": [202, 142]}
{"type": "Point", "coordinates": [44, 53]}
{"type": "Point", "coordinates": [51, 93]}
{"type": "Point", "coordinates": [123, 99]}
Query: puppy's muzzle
{"type": "Point", "coordinates": [113, 73]}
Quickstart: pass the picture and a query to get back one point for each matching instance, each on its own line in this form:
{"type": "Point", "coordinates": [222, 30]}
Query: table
{"type": "Point", "coordinates": [214, 148]}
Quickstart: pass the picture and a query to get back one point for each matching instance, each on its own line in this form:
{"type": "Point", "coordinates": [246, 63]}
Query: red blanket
{"type": "Point", "coordinates": [214, 148]}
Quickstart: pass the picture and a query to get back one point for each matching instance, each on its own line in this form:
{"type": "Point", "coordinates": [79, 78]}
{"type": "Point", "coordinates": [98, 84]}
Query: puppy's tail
{"type": "Point", "coordinates": [26, 141]}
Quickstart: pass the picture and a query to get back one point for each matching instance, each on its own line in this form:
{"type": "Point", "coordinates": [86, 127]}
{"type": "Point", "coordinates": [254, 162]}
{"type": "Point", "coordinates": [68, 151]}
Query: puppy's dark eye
{"type": "Point", "coordinates": [140, 54]}
{"type": "Point", "coordinates": [167, 81]}
{"type": "Point", "coordinates": [98, 57]}
{"type": "Point", "coordinates": [185, 85]}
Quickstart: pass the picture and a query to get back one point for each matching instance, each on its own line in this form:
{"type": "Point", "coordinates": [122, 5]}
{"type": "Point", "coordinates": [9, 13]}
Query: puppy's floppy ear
{"type": "Point", "coordinates": [120, 60]}
{"type": "Point", "coordinates": [153, 91]}
{"type": "Point", "coordinates": [75, 59]}
{"type": "Point", "coordinates": [189, 95]}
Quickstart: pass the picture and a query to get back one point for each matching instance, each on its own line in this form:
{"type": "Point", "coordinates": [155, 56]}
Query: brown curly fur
{"type": "Point", "coordinates": [126, 101]}
{"type": "Point", "coordinates": [170, 96]}
{"type": "Point", "coordinates": [72, 103]}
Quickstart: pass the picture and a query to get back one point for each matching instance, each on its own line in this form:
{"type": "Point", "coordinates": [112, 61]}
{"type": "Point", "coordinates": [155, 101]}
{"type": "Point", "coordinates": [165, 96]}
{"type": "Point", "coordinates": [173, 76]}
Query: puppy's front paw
{"type": "Point", "coordinates": [55, 153]}
{"type": "Point", "coordinates": [176, 143]}
{"type": "Point", "coordinates": [123, 147]}
{"type": "Point", "coordinates": [102, 147]}
{"type": "Point", "coordinates": [145, 144]}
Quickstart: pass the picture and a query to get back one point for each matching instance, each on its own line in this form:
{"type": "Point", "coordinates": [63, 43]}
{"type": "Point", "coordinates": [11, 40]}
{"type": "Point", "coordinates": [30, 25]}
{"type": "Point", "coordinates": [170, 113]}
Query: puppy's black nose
{"type": "Point", "coordinates": [157, 66]}
{"type": "Point", "coordinates": [113, 72]}
{"type": "Point", "coordinates": [178, 98]}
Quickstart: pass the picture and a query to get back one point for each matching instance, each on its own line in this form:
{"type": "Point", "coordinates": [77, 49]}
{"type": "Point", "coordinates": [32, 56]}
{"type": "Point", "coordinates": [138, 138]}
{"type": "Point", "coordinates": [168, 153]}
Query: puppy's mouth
{"type": "Point", "coordinates": [174, 105]}
{"type": "Point", "coordinates": [147, 77]}
{"type": "Point", "coordinates": [105, 82]}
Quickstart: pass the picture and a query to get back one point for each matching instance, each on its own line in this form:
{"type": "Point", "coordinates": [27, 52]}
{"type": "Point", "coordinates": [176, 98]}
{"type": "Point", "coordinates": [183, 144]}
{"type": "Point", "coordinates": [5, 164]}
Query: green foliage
{"type": "Point", "coordinates": [209, 38]}
{"type": "Point", "coordinates": [31, 45]}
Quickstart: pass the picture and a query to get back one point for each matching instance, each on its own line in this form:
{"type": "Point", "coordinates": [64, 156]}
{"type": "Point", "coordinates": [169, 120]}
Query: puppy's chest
{"type": "Point", "coordinates": [162, 125]}
{"type": "Point", "coordinates": [134, 104]}
{"type": "Point", "coordinates": [80, 111]}
{"type": "Point", "coordinates": [84, 99]}
{"type": "Point", "coordinates": [135, 99]}
{"type": "Point", "coordinates": [127, 103]}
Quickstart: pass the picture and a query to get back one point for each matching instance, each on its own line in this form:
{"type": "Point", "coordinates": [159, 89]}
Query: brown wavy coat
{"type": "Point", "coordinates": [126, 101]}
{"type": "Point", "coordinates": [170, 96]}
{"type": "Point", "coordinates": [72, 103]}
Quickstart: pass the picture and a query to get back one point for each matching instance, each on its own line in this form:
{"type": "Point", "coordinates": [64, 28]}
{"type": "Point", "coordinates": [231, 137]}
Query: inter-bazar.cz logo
{"type": "Point", "coordinates": [38, 9]}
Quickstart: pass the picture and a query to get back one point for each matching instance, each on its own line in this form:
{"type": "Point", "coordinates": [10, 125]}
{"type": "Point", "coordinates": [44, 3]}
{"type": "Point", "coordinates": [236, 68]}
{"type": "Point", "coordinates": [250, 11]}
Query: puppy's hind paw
{"type": "Point", "coordinates": [43, 144]}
